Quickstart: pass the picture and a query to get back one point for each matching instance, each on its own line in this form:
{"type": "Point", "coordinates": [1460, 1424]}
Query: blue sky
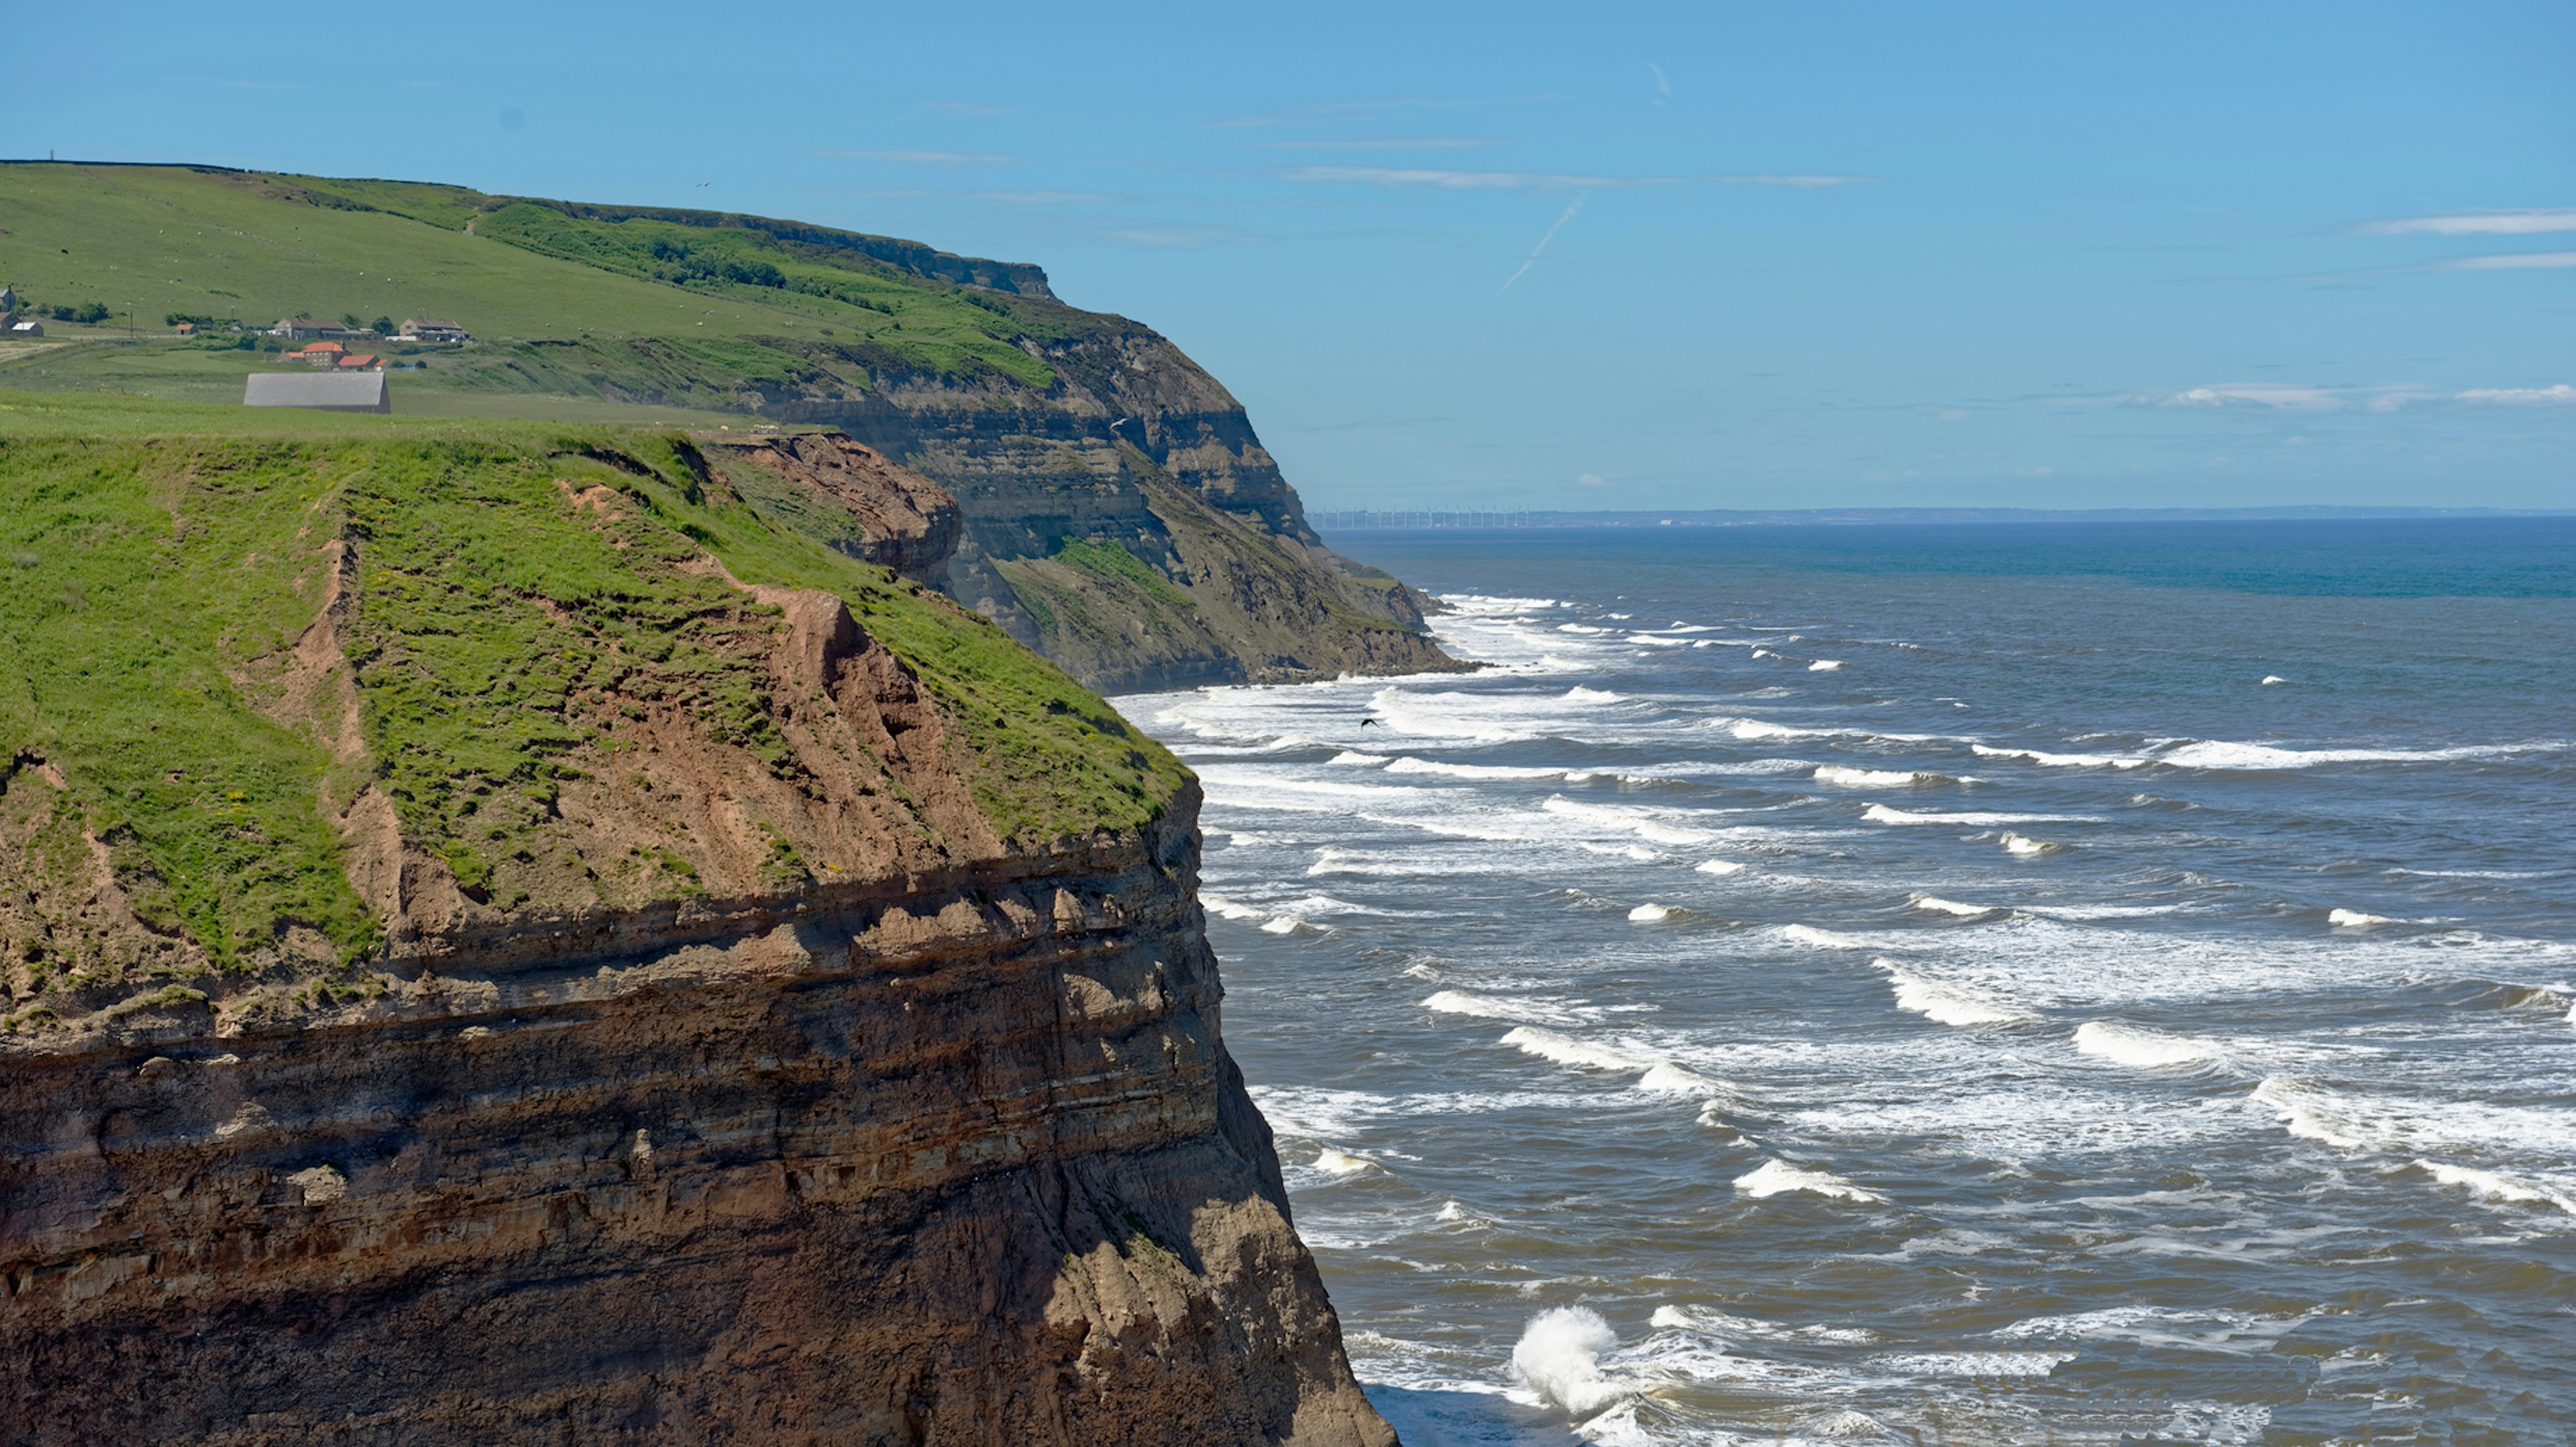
{"type": "Point", "coordinates": [1599, 257]}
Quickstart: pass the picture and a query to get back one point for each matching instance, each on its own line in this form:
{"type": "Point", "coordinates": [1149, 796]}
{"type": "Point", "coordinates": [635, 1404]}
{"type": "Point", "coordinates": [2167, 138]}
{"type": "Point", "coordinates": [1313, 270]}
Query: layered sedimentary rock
{"type": "Point", "coordinates": [1133, 448]}
{"type": "Point", "coordinates": [925, 1160]}
{"type": "Point", "coordinates": [744, 1000]}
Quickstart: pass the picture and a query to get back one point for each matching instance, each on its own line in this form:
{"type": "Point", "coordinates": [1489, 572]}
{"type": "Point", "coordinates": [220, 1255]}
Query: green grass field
{"type": "Point", "coordinates": [689, 310]}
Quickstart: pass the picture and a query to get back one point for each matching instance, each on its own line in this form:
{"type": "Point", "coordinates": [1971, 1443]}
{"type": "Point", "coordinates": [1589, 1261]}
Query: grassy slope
{"type": "Point", "coordinates": [156, 558]}
{"type": "Point", "coordinates": [564, 304]}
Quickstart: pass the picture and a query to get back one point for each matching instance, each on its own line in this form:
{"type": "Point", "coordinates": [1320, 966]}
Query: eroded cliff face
{"type": "Point", "coordinates": [950, 1159]}
{"type": "Point", "coordinates": [1133, 447]}
{"type": "Point", "coordinates": [731, 997]}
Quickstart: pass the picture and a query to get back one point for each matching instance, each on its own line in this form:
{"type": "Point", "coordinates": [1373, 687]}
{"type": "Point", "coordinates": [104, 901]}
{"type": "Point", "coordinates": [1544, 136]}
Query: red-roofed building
{"type": "Point", "coordinates": [362, 361]}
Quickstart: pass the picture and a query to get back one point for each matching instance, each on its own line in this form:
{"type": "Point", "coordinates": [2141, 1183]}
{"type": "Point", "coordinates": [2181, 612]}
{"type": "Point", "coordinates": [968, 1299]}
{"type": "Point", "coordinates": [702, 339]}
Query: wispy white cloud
{"type": "Point", "coordinates": [2277, 395]}
{"type": "Point", "coordinates": [1663, 83]}
{"type": "Point", "coordinates": [1373, 106]}
{"type": "Point", "coordinates": [1448, 180]}
{"type": "Point", "coordinates": [2561, 395]}
{"type": "Point", "coordinates": [2480, 223]}
{"type": "Point", "coordinates": [1532, 259]}
{"type": "Point", "coordinates": [1801, 183]}
{"type": "Point", "coordinates": [2382, 397]}
{"type": "Point", "coordinates": [921, 158]}
{"type": "Point", "coordinates": [1380, 143]}
{"type": "Point", "coordinates": [1166, 237]}
{"type": "Point", "coordinates": [997, 198]}
{"type": "Point", "coordinates": [2512, 261]}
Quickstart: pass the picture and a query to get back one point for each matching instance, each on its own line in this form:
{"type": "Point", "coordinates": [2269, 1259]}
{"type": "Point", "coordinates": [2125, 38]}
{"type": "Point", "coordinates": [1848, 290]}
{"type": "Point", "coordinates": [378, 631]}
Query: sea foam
{"type": "Point", "coordinates": [2061, 761]}
{"type": "Point", "coordinates": [2496, 1186]}
{"type": "Point", "coordinates": [1778, 1177]}
{"type": "Point", "coordinates": [1558, 1359]}
{"type": "Point", "coordinates": [2146, 1049]}
{"type": "Point", "coordinates": [1342, 1165]}
{"type": "Point", "coordinates": [1937, 905]}
{"type": "Point", "coordinates": [1881, 814]}
{"type": "Point", "coordinates": [1567, 1050]}
{"type": "Point", "coordinates": [1806, 934]}
{"type": "Point", "coordinates": [2354, 919]}
{"type": "Point", "coordinates": [1948, 1004]}
{"type": "Point", "coordinates": [1874, 778]}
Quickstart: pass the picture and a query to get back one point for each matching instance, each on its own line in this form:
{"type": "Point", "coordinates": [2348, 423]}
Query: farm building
{"type": "Point", "coordinates": [351, 391]}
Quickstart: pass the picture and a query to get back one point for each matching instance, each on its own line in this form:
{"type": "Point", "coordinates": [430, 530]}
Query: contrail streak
{"type": "Point", "coordinates": [1543, 241]}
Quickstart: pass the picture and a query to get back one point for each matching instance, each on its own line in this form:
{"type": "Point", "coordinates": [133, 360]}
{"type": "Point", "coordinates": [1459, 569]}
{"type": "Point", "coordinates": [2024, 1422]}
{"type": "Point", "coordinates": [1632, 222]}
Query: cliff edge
{"type": "Point", "coordinates": [1115, 509]}
{"type": "Point", "coordinates": [502, 939]}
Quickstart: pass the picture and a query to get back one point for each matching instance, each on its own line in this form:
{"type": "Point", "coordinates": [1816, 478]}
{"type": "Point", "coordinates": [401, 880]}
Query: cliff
{"type": "Point", "coordinates": [503, 939]}
{"type": "Point", "coordinates": [1118, 511]}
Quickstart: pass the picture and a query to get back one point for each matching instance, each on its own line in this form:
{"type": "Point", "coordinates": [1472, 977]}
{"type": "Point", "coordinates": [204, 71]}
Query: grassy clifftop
{"type": "Point", "coordinates": [533, 658]}
{"type": "Point", "coordinates": [1065, 435]}
{"type": "Point", "coordinates": [676, 308]}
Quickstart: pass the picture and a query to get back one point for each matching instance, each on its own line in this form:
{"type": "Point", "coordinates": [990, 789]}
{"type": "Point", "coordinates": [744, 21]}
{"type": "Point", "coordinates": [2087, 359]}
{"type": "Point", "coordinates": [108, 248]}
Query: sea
{"type": "Point", "coordinates": [2039, 982]}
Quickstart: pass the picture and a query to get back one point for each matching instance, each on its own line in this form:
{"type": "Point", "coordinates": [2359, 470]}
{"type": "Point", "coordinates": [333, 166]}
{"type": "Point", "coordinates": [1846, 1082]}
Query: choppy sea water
{"type": "Point", "coordinates": [1968, 984]}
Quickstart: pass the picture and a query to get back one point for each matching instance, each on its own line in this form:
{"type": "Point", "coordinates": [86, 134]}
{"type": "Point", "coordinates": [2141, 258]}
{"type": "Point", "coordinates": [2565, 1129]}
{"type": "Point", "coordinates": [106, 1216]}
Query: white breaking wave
{"type": "Point", "coordinates": [2354, 919]}
{"type": "Point", "coordinates": [1446, 716]}
{"type": "Point", "coordinates": [1948, 1004]}
{"type": "Point", "coordinates": [1341, 1165]}
{"type": "Point", "coordinates": [2061, 761]}
{"type": "Point", "coordinates": [2310, 1113]}
{"type": "Point", "coordinates": [1754, 728]}
{"type": "Point", "coordinates": [1284, 924]}
{"type": "Point", "coordinates": [1881, 814]}
{"type": "Point", "coordinates": [1489, 834]}
{"type": "Point", "coordinates": [1651, 913]}
{"type": "Point", "coordinates": [1718, 866]}
{"type": "Point", "coordinates": [2146, 1049]}
{"type": "Point", "coordinates": [1806, 934]}
{"type": "Point", "coordinates": [2273, 678]}
{"type": "Point", "coordinates": [1824, 665]}
{"type": "Point", "coordinates": [1670, 1079]}
{"type": "Point", "coordinates": [1333, 859]}
{"type": "Point", "coordinates": [1228, 908]}
{"type": "Point", "coordinates": [1938, 905]}
{"type": "Point", "coordinates": [1583, 1054]}
{"type": "Point", "coordinates": [2025, 846]}
{"type": "Point", "coordinates": [1874, 778]}
{"type": "Point", "coordinates": [1355, 757]}
{"type": "Point", "coordinates": [1558, 1359]}
{"type": "Point", "coordinates": [1410, 765]}
{"type": "Point", "coordinates": [1636, 821]}
{"type": "Point", "coordinates": [1581, 694]}
{"type": "Point", "coordinates": [2496, 1186]}
{"type": "Point", "coordinates": [1719, 1323]}
{"type": "Point", "coordinates": [1487, 1007]}
{"type": "Point", "coordinates": [2221, 754]}
{"type": "Point", "coordinates": [1778, 1177]}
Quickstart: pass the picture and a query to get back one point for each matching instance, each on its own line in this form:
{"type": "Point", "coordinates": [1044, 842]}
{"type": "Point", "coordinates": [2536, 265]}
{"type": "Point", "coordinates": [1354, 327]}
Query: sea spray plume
{"type": "Point", "coordinates": [1532, 258]}
{"type": "Point", "coordinates": [1559, 1360]}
